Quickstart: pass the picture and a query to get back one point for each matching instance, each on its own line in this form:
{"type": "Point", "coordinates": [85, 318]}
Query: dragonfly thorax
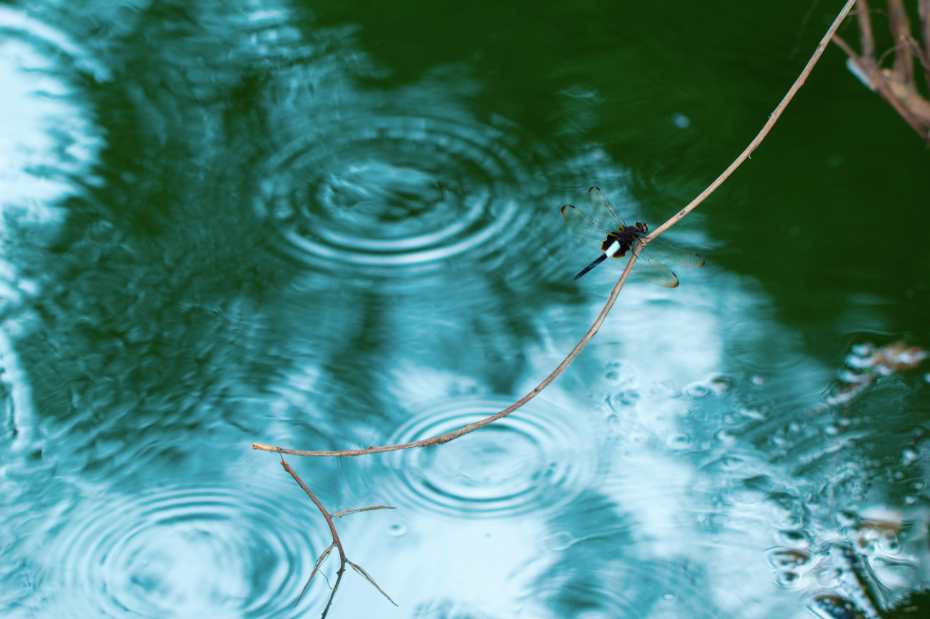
{"type": "Point", "coordinates": [624, 238]}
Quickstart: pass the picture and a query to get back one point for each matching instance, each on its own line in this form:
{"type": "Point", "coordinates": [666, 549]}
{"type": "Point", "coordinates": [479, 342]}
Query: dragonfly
{"type": "Point", "coordinates": [614, 239]}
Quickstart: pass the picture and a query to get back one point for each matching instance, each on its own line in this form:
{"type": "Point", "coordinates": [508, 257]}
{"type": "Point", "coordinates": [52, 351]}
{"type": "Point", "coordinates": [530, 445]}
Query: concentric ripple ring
{"type": "Point", "coordinates": [531, 461]}
{"type": "Point", "coordinates": [391, 191]}
{"type": "Point", "coordinates": [184, 552]}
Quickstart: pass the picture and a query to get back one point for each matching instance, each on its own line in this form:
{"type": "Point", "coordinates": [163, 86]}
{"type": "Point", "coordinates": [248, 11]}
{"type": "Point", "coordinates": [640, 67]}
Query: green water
{"type": "Point", "coordinates": [335, 225]}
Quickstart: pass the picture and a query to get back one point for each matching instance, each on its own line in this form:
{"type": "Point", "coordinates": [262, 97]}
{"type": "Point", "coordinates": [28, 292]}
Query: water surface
{"type": "Point", "coordinates": [328, 226]}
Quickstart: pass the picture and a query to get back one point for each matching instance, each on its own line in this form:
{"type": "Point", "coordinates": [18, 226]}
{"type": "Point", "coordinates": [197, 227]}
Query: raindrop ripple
{"type": "Point", "coordinates": [374, 191]}
{"type": "Point", "coordinates": [533, 460]}
{"type": "Point", "coordinates": [185, 552]}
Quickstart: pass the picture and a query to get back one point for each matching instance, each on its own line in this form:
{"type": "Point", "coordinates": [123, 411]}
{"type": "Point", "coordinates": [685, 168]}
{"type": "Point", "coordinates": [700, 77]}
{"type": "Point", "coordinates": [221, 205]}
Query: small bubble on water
{"type": "Point", "coordinates": [794, 539]}
{"type": "Point", "coordinates": [697, 390]}
{"type": "Point", "coordinates": [909, 456]}
{"type": "Point", "coordinates": [668, 597]}
{"type": "Point", "coordinates": [721, 384]}
{"type": "Point", "coordinates": [787, 579]}
{"type": "Point", "coordinates": [752, 414]}
{"type": "Point", "coordinates": [910, 500]}
{"type": "Point", "coordinates": [397, 530]}
{"type": "Point", "coordinates": [731, 462]}
{"type": "Point", "coordinates": [758, 381]}
{"type": "Point", "coordinates": [846, 519]}
{"type": "Point", "coordinates": [680, 120]}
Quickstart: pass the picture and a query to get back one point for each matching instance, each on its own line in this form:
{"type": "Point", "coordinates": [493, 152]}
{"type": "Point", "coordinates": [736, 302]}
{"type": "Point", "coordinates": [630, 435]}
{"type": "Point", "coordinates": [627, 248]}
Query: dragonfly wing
{"type": "Point", "coordinates": [664, 251]}
{"type": "Point", "coordinates": [589, 230]}
{"type": "Point", "coordinates": [649, 270]}
{"type": "Point", "coordinates": [603, 210]}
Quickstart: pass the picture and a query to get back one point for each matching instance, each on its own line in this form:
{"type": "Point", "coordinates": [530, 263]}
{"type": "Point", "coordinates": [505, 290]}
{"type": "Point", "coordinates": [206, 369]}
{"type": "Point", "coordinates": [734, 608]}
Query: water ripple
{"type": "Point", "coordinates": [532, 461]}
{"type": "Point", "coordinates": [382, 191]}
{"type": "Point", "coordinates": [184, 552]}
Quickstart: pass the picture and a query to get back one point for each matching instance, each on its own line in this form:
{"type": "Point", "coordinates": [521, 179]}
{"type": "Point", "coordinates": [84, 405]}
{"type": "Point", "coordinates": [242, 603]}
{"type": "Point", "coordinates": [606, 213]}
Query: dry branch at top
{"type": "Point", "coordinates": [898, 85]}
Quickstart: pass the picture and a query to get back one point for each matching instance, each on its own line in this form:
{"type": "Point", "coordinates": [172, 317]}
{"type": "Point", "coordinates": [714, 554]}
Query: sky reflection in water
{"type": "Point", "coordinates": [221, 232]}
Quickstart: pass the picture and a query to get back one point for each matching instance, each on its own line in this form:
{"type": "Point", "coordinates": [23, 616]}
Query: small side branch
{"type": "Point", "coordinates": [923, 11]}
{"type": "Point", "coordinates": [346, 512]}
{"type": "Point", "coordinates": [865, 32]}
{"type": "Point", "coordinates": [900, 27]}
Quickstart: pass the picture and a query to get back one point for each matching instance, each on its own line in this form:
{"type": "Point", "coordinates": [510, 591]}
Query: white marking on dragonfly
{"type": "Point", "coordinates": [613, 249]}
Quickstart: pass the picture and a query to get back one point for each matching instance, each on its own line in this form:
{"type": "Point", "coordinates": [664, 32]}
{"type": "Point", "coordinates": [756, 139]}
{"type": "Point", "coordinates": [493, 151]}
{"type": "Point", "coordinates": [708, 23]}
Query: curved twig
{"type": "Point", "coordinates": [445, 438]}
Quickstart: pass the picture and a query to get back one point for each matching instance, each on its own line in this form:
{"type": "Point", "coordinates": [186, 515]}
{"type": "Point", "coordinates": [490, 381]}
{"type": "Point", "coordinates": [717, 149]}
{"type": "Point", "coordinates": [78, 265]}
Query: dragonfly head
{"type": "Point", "coordinates": [641, 227]}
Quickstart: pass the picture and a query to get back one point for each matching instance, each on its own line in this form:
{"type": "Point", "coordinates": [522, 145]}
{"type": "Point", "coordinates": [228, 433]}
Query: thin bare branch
{"type": "Point", "coordinates": [445, 438]}
{"type": "Point", "coordinates": [804, 20]}
{"type": "Point", "coordinates": [900, 27]}
{"type": "Point", "coordinates": [316, 501]}
{"type": "Point", "coordinates": [923, 9]}
{"type": "Point", "coordinates": [918, 53]}
{"type": "Point", "coordinates": [372, 581]}
{"type": "Point", "coordinates": [865, 33]}
{"type": "Point", "coordinates": [316, 567]}
{"type": "Point", "coordinates": [329, 603]}
{"type": "Point", "coordinates": [346, 512]}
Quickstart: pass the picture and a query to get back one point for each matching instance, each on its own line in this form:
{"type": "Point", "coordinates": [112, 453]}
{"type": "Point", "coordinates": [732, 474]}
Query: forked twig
{"type": "Point", "coordinates": [449, 436]}
{"type": "Point", "coordinates": [337, 543]}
